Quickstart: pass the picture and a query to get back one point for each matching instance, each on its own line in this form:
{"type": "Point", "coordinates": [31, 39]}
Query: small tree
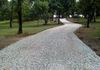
{"type": "Point", "coordinates": [89, 9]}
{"type": "Point", "coordinates": [40, 10]}
{"type": "Point", "coordinates": [11, 12]}
{"type": "Point", "coordinates": [4, 10]}
{"type": "Point", "coordinates": [63, 7]}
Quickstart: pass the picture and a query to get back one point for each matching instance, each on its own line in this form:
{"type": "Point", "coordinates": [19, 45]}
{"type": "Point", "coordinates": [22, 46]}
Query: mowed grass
{"type": "Point", "coordinates": [29, 27]}
{"type": "Point", "coordinates": [94, 30]}
{"type": "Point", "coordinates": [96, 26]}
{"type": "Point", "coordinates": [10, 35]}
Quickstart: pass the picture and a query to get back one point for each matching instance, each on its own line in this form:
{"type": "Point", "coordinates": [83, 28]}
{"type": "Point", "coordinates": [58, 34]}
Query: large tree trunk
{"type": "Point", "coordinates": [11, 18]}
{"type": "Point", "coordinates": [11, 14]}
{"type": "Point", "coordinates": [20, 16]}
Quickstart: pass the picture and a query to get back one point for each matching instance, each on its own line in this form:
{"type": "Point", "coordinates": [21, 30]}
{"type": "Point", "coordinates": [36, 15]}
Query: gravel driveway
{"type": "Point", "coordinates": [53, 49]}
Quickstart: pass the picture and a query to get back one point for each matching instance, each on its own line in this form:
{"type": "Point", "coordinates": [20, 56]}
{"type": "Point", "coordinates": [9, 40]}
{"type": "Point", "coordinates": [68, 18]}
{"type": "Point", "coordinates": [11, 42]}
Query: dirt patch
{"type": "Point", "coordinates": [93, 43]}
{"type": "Point", "coordinates": [7, 40]}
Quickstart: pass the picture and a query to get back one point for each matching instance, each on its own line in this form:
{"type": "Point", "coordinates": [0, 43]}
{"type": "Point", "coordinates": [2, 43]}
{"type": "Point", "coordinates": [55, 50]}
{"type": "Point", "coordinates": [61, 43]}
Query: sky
{"type": "Point", "coordinates": [77, 0]}
{"type": "Point", "coordinates": [9, 0]}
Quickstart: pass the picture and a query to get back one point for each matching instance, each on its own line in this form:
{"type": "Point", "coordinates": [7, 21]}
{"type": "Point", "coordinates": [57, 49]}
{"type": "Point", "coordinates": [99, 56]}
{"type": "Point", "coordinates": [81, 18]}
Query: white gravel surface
{"type": "Point", "coordinates": [53, 49]}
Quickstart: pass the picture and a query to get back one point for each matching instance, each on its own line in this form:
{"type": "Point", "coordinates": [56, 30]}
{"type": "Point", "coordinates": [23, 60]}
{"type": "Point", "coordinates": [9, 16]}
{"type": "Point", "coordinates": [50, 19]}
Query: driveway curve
{"type": "Point", "coordinates": [53, 49]}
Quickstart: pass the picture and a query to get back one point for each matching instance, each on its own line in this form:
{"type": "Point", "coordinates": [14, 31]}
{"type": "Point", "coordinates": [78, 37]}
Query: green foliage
{"type": "Point", "coordinates": [35, 8]}
{"type": "Point", "coordinates": [97, 2]}
{"type": "Point", "coordinates": [86, 6]}
{"type": "Point", "coordinates": [89, 6]}
{"type": "Point", "coordinates": [40, 8]}
{"type": "Point", "coordinates": [26, 9]}
{"type": "Point", "coordinates": [62, 6]}
{"type": "Point", "coordinates": [4, 10]}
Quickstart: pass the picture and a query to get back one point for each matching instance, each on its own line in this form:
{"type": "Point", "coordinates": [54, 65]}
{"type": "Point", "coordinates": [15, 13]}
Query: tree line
{"type": "Point", "coordinates": [90, 9]}
{"type": "Point", "coordinates": [44, 9]}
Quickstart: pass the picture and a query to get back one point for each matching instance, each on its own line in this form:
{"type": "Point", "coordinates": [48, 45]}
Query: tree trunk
{"type": "Point", "coordinates": [20, 16]}
{"type": "Point", "coordinates": [11, 18]}
{"type": "Point", "coordinates": [88, 21]}
{"type": "Point", "coordinates": [94, 19]}
{"type": "Point", "coordinates": [58, 17]}
{"type": "Point", "coordinates": [46, 22]}
{"type": "Point", "coordinates": [52, 18]}
{"type": "Point", "coordinates": [94, 16]}
{"type": "Point", "coordinates": [11, 14]}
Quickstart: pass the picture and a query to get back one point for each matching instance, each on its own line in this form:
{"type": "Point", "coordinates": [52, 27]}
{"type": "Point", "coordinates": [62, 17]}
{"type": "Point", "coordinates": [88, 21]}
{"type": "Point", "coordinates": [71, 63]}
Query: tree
{"type": "Point", "coordinates": [63, 7]}
{"type": "Point", "coordinates": [4, 10]}
{"type": "Point", "coordinates": [11, 12]}
{"type": "Point", "coordinates": [40, 10]}
{"type": "Point", "coordinates": [89, 8]}
{"type": "Point", "coordinates": [20, 16]}
{"type": "Point", "coordinates": [97, 7]}
{"type": "Point", "coordinates": [72, 6]}
{"type": "Point", "coordinates": [26, 7]}
{"type": "Point", "coordinates": [56, 6]}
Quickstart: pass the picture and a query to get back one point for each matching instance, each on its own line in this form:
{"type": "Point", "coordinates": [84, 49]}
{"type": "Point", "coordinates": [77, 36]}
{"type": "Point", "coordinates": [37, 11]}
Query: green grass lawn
{"type": "Point", "coordinates": [94, 26]}
{"type": "Point", "coordinates": [29, 27]}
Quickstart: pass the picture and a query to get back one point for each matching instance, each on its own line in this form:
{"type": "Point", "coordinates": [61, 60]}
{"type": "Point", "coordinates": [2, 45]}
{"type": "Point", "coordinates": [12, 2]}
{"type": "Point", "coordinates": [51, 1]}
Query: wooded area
{"type": "Point", "coordinates": [26, 10]}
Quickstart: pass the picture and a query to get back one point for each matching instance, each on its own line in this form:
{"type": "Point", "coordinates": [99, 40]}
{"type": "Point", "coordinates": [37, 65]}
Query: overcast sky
{"type": "Point", "coordinates": [77, 0]}
{"type": "Point", "coordinates": [9, 0]}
